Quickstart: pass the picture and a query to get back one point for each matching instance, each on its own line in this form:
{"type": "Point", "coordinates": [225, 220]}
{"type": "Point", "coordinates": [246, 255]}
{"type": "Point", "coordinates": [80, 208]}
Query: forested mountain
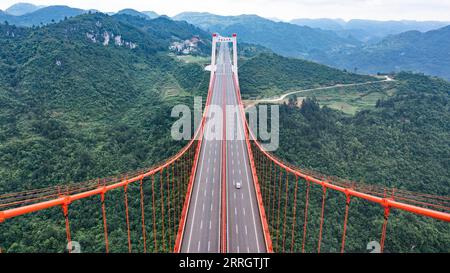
{"type": "Point", "coordinates": [41, 16]}
{"type": "Point", "coordinates": [415, 51]}
{"type": "Point", "coordinates": [163, 28]}
{"type": "Point", "coordinates": [76, 105]}
{"type": "Point", "coordinates": [92, 74]}
{"type": "Point", "coordinates": [404, 143]}
{"type": "Point", "coordinates": [283, 38]}
{"type": "Point", "coordinates": [269, 74]}
{"type": "Point", "coordinates": [22, 8]}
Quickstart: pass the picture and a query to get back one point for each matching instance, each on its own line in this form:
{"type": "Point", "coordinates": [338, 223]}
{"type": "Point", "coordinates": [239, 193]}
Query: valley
{"type": "Point", "coordinates": [85, 95]}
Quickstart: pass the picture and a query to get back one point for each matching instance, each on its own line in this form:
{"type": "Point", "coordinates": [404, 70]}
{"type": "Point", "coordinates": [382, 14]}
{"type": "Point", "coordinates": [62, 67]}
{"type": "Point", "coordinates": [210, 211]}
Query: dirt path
{"type": "Point", "coordinates": [283, 97]}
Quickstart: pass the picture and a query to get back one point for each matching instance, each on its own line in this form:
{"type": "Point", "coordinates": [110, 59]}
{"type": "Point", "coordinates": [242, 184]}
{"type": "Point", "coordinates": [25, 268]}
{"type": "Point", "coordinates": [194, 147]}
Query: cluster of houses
{"type": "Point", "coordinates": [186, 47]}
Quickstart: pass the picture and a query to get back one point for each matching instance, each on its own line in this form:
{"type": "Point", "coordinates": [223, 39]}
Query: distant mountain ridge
{"type": "Point", "coordinates": [22, 8]}
{"type": "Point", "coordinates": [144, 14]}
{"type": "Point", "coordinates": [24, 14]}
{"type": "Point", "coordinates": [369, 30]}
{"type": "Point", "coordinates": [425, 52]}
{"type": "Point", "coordinates": [42, 16]}
{"type": "Point", "coordinates": [283, 38]}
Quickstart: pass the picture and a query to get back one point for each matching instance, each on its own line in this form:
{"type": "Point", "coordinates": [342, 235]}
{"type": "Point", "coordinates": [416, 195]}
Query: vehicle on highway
{"type": "Point", "coordinates": [238, 185]}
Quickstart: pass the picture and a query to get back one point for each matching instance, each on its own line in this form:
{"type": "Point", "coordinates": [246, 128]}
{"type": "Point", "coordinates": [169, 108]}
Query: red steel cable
{"type": "Point", "coordinates": [174, 206]}
{"type": "Point", "coordinates": [162, 209]}
{"type": "Point", "coordinates": [269, 193]}
{"type": "Point", "coordinates": [293, 215]}
{"type": "Point", "coordinates": [305, 225]}
{"type": "Point", "coordinates": [324, 192]}
{"type": "Point", "coordinates": [279, 208]}
{"type": "Point", "coordinates": [125, 188]}
{"type": "Point", "coordinates": [169, 228]}
{"type": "Point", "coordinates": [383, 230]}
{"type": "Point", "coordinates": [347, 205]}
{"type": "Point", "coordinates": [66, 219]}
{"type": "Point", "coordinates": [264, 186]}
{"type": "Point", "coordinates": [154, 215]}
{"type": "Point", "coordinates": [178, 196]}
{"type": "Point", "coordinates": [274, 194]}
{"type": "Point", "coordinates": [144, 235]}
{"type": "Point", "coordinates": [105, 226]}
{"type": "Point", "coordinates": [316, 178]}
{"type": "Point", "coordinates": [285, 210]}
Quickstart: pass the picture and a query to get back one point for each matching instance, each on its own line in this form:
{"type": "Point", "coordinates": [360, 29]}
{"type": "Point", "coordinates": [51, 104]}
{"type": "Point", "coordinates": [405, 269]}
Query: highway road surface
{"type": "Point", "coordinates": [203, 224]}
{"type": "Point", "coordinates": [244, 229]}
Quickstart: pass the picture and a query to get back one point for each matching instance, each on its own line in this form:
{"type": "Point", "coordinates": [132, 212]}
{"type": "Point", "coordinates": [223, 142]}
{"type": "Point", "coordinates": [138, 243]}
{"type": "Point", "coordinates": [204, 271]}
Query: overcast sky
{"type": "Point", "coordinates": [283, 9]}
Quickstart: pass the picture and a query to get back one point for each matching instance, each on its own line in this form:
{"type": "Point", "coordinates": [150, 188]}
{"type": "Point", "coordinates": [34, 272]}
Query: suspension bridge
{"type": "Point", "coordinates": [222, 194]}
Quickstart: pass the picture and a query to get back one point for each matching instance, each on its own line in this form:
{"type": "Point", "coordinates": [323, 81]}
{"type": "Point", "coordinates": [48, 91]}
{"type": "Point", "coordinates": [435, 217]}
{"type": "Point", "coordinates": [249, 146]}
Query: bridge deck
{"type": "Point", "coordinates": [203, 226]}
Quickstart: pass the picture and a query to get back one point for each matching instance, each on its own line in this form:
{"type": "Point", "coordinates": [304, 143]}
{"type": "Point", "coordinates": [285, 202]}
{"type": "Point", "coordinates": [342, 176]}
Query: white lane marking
{"type": "Point", "coordinates": [234, 195]}
{"type": "Point", "coordinates": [240, 125]}
{"type": "Point", "coordinates": [243, 210]}
{"type": "Point", "coordinates": [204, 192]}
{"type": "Point", "coordinates": [235, 211]}
{"type": "Point", "coordinates": [242, 196]}
{"type": "Point", "coordinates": [212, 192]}
{"type": "Point", "coordinates": [201, 224]}
{"type": "Point", "coordinates": [237, 249]}
{"type": "Point", "coordinates": [237, 229]}
{"type": "Point", "coordinates": [209, 224]}
{"type": "Point", "coordinates": [246, 231]}
{"type": "Point", "coordinates": [232, 161]}
{"type": "Point", "coordinates": [248, 250]}
{"type": "Point", "coordinates": [207, 170]}
{"type": "Point", "coordinates": [203, 207]}
{"type": "Point", "coordinates": [196, 198]}
{"type": "Point", "coordinates": [198, 247]}
{"type": "Point", "coordinates": [209, 245]}
{"type": "Point", "coordinates": [211, 206]}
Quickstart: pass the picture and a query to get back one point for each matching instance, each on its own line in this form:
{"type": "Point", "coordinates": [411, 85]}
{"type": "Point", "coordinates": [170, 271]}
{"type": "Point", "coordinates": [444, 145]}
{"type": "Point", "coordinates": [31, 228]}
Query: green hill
{"type": "Point", "coordinates": [67, 94]}
{"type": "Point", "coordinates": [76, 105]}
{"type": "Point", "coordinates": [425, 52]}
{"type": "Point", "coordinates": [269, 74]}
{"type": "Point", "coordinates": [404, 142]}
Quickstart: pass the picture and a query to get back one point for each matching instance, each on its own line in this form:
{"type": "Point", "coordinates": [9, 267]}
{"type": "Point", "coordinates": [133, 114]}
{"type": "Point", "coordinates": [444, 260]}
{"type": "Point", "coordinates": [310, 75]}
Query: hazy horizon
{"type": "Point", "coordinates": [285, 10]}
